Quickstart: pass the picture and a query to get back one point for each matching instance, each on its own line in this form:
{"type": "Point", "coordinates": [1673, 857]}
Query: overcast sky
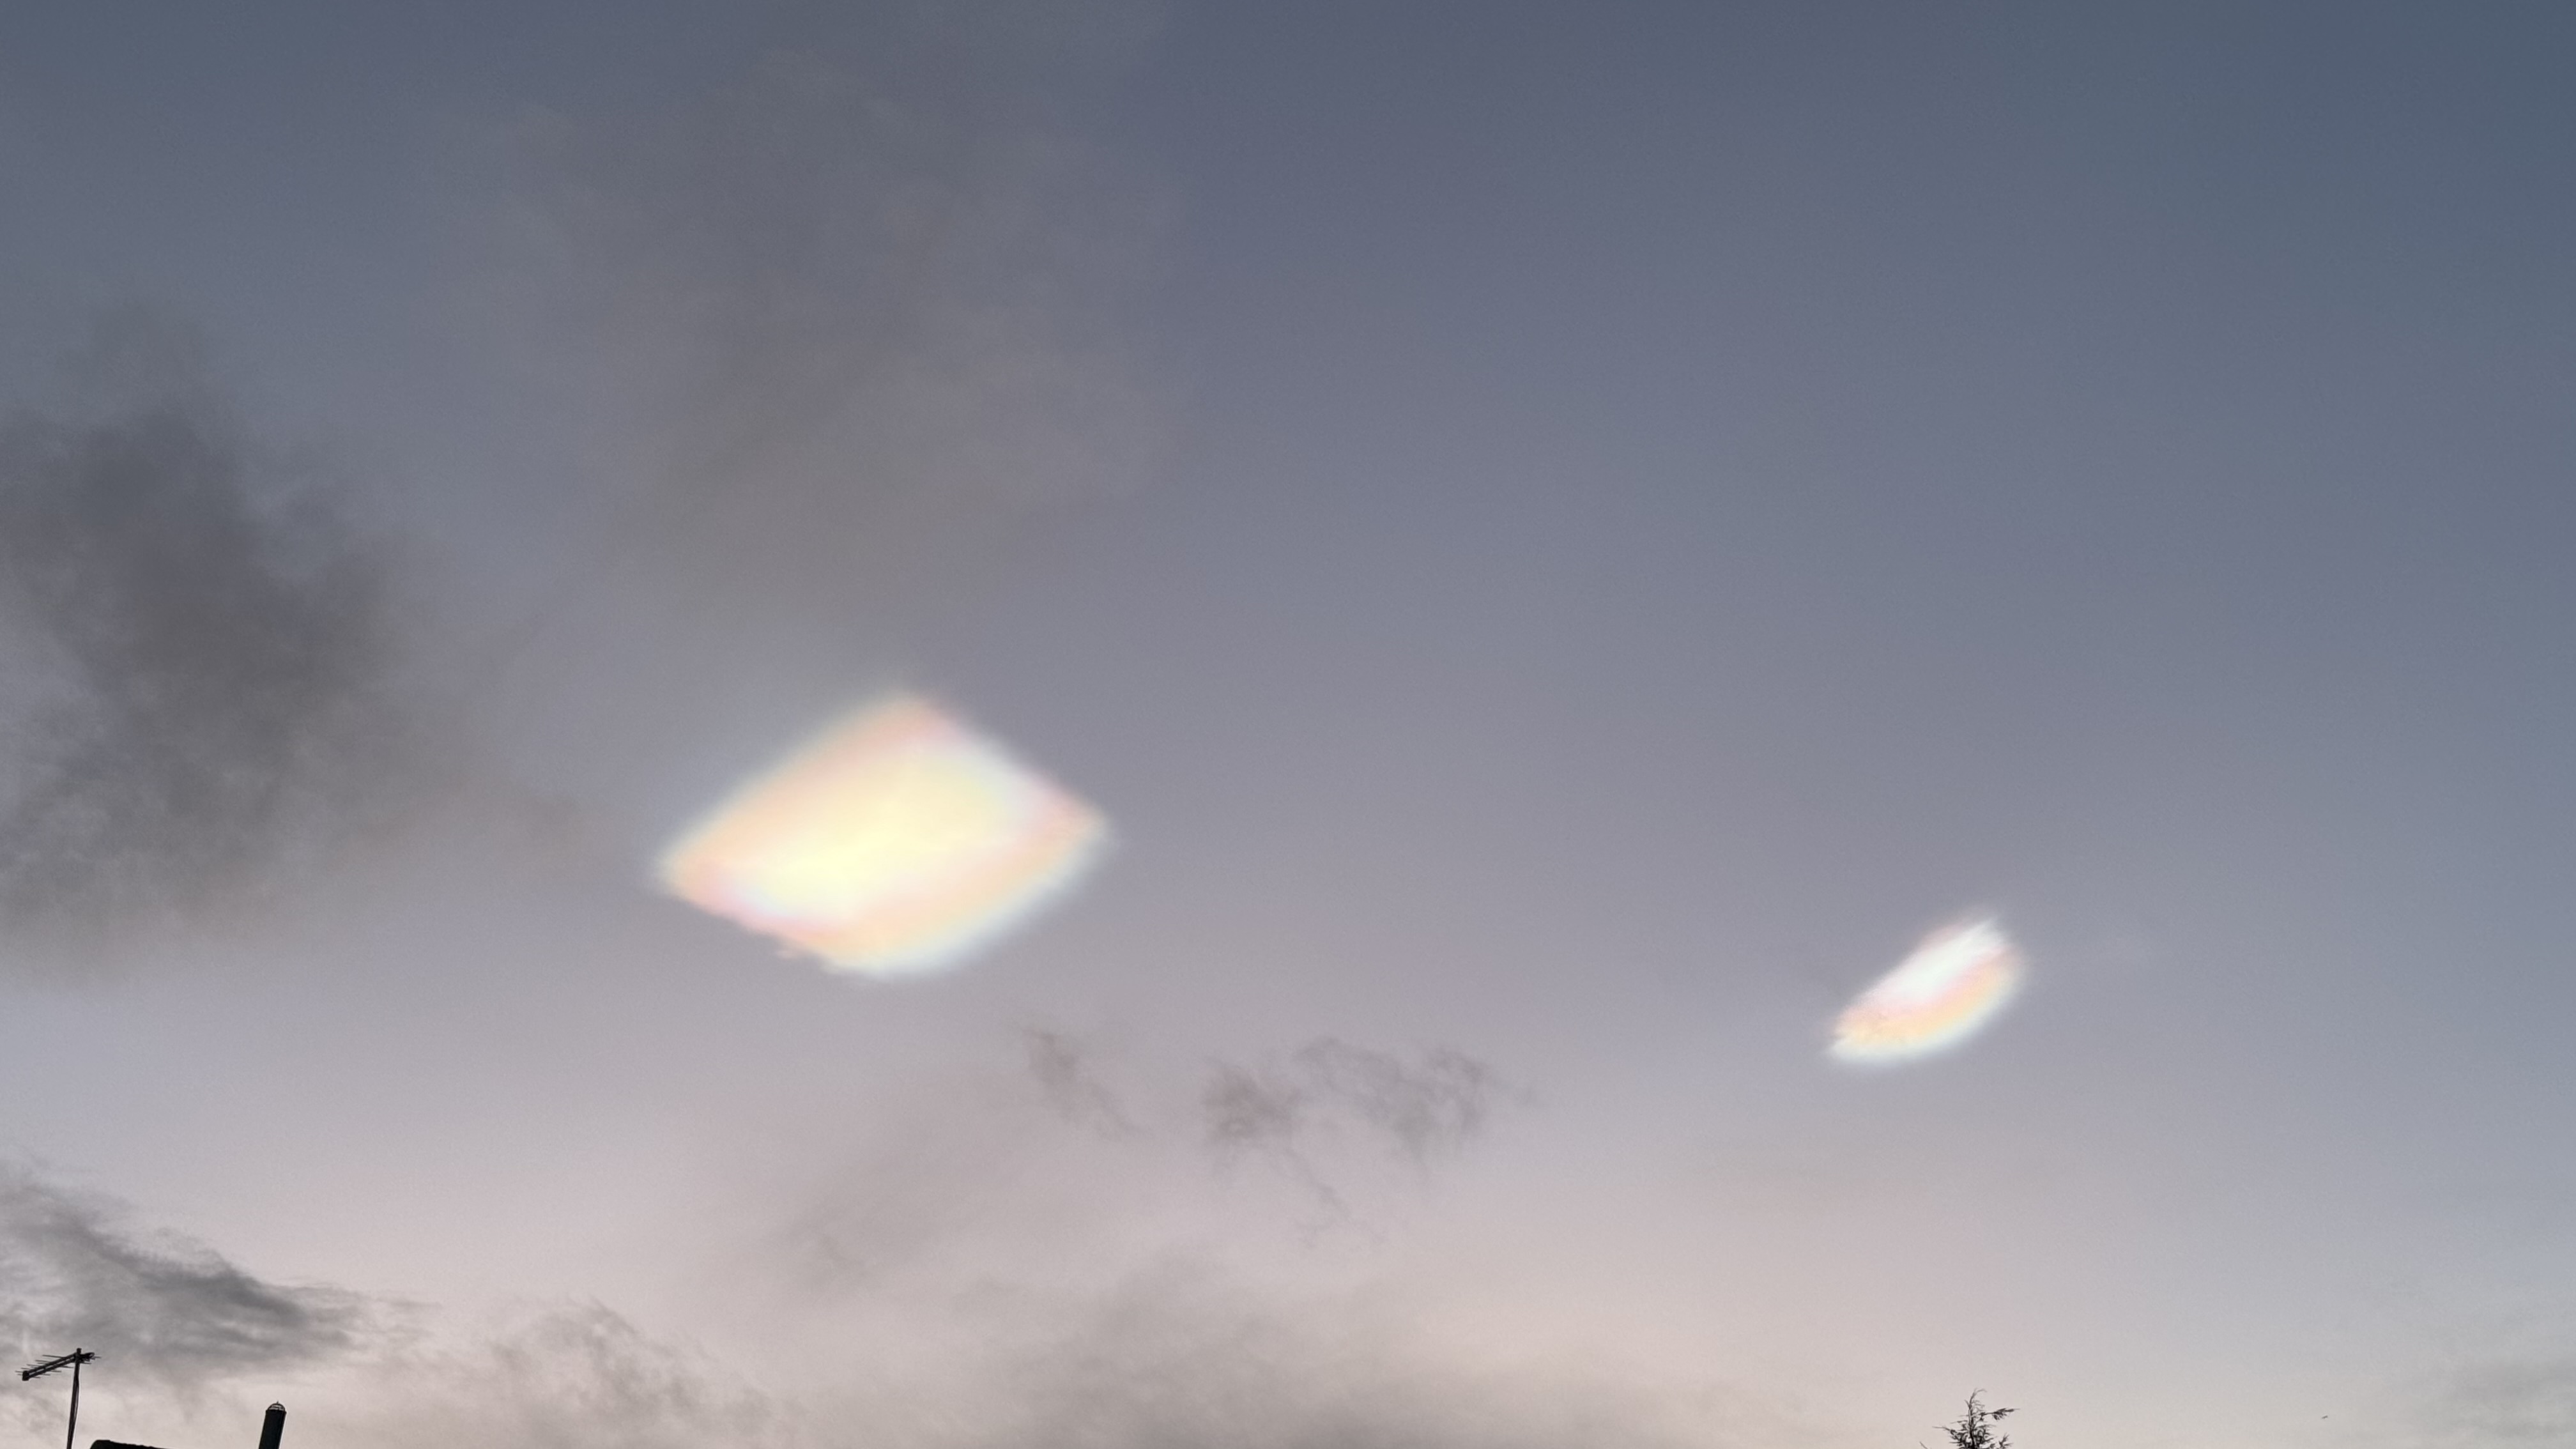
{"type": "Point", "coordinates": [1563, 538]}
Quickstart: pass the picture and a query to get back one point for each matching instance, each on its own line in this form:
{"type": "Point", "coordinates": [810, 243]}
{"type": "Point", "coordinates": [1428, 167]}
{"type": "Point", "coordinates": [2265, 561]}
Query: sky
{"type": "Point", "coordinates": [1560, 542]}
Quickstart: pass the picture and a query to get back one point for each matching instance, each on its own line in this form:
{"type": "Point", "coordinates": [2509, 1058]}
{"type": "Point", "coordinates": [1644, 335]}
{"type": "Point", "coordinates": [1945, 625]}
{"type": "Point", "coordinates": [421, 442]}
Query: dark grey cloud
{"type": "Point", "coordinates": [75, 1272]}
{"type": "Point", "coordinates": [200, 651]}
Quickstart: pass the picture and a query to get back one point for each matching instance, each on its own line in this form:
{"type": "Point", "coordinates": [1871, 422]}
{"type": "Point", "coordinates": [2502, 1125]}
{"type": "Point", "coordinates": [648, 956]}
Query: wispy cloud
{"type": "Point", "coordinates": [1329, 1094]}
{"type": "Point", "coordinates": [1066, 1072]}
{"type": "Point", "coordinates": [1428, 1107]}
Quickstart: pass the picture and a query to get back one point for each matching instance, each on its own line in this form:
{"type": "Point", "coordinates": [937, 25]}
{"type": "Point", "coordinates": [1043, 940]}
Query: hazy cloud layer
{"type": "Point", "coordinates": [579, 1377]}
{"type": "Point", "coordinates": [74, 1272]}
{"type": "Point", "coordinates": [1178, 1360]}
{"type": "Point", "coordinates": [2503, 1402]}
{"type": "Point", "coordinates": [1165, 1352]}
{"type": "Point", "coordinates": [1172, 1360]}
{"type": "Point", "coordinates": [820, 318]}
{"type": "Point", "coordinates": [200, 663]}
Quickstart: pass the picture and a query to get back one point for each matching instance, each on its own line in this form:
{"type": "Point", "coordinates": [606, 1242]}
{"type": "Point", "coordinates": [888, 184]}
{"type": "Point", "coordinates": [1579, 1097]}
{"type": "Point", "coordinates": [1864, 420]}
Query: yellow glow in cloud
{"type": "Point", "coordinates": [896, 842]}
{"type": "Point", "coordinates": [1958, 979]}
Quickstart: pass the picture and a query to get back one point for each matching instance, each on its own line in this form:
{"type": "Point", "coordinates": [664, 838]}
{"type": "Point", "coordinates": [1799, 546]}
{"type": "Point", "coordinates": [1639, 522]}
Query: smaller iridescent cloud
{"type": "Point", "coordinates": [896, 842]}
{"type": "Point", "coordinates": [1958, 979]}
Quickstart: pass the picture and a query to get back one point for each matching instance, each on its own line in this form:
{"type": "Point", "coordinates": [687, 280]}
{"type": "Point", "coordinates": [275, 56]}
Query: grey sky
{"type": "Point", "coordinates": [1563, 536]}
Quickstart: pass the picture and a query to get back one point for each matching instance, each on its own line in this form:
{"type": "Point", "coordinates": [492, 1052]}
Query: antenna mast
{"type": "Point", "coordinates": [72, 1360]}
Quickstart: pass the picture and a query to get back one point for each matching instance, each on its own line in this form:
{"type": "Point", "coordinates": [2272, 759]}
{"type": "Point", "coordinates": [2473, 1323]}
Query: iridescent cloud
{"type": "Point", "coordinates": [896, 842]}
{"type": "Point", "coordinates": [1958, 979]}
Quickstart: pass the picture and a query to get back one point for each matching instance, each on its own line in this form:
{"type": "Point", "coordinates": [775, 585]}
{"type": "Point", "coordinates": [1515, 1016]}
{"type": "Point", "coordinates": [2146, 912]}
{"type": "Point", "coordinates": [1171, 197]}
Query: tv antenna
{"type": "Point", "coordinates": [72, 1360]}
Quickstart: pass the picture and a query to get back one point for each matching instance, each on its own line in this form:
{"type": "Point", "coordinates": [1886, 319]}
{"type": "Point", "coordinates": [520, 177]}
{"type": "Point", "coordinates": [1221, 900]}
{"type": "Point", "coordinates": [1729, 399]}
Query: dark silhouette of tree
{"type": "Point", "coordinates": [1976, 1428]}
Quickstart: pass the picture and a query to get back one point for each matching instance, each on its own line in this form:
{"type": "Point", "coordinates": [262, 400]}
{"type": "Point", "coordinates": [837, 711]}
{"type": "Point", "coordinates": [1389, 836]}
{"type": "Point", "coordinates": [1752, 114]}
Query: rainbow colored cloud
{"type": "Point", "coordinates": [1958, 979]}
{"type": "Point", "coordinates": [895, 843]}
